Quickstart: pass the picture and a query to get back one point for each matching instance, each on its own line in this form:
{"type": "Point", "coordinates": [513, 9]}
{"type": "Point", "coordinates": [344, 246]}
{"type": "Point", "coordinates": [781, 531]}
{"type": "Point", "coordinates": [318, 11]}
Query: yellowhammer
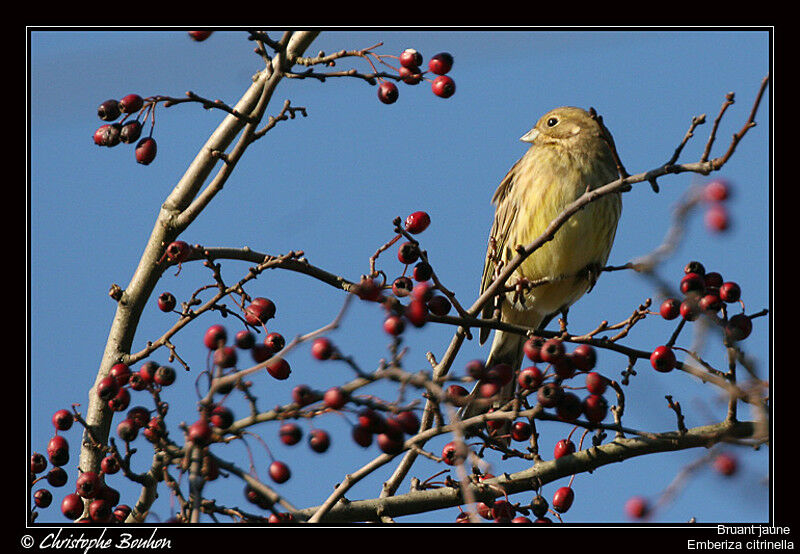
{"type": "Point", "coordinates": [568, 155]}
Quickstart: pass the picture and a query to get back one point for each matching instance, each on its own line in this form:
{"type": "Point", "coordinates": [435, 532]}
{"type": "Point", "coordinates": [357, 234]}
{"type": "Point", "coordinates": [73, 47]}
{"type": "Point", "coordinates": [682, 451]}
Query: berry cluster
{"type": "Point", "coordinates": [704, 293]}
{"type": "Point", "coordinates": [410, 73]}
{"type": "Point", "coordinates": [128, 132]}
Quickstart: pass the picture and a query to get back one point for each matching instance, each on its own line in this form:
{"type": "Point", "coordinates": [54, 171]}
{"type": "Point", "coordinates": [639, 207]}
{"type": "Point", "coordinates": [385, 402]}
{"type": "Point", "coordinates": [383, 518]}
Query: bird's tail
{"type": "Point", "coordinates": [506, 349]}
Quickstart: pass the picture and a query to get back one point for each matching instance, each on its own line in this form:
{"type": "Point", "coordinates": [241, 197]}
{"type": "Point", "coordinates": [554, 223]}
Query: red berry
{"type": "Point", "coordinates": [245, 339]}
{"type": "Point", "coordinates": [564, 367]}
{"type": "Point", "coordinates": [503, 510]}
{"type": "Point", "coordinates": [200, 432]}
{"type": "Point", "coordinates": [362, 436]}
{"type": "Point", "coordinates": [443, 86]}
{"type": "Point", "coordinates": [58, 451]}
{"type": "Point", "coordinates": [108, 110]}
{"type": "Point", "coordinates": [549, 394]}
{"type": "Point", "coordinates": [569, 407]}
{"type": "Point", "coordinates": [225, 356]}
{"type": "Point", "coordinates": [146, 150]}
{"type": "Point", "coordinates": [390, 444]}
{"type": "Point", "coordinates": [139, 415]}
{"type": "Point", "coordinates": [319, 440]}
{"type": "Point", "coordinates": [584, 357]}
{"type": "Point", "coordinates": [475, 369]}
{"type": "Point", "coordinates": [730, 292]}
{"type": "Point", "coordinates": [178, 251]}
{"type": "Point", "coordinates": [108, 135]}
{"type": "Point", "coordinates": [717, 190]}
{"type": "Point", "coordinates": [394, 325]}
{"type": "Point", "coordinates": [72, 506]}
{"type": "Point", "coordinates": [417, 222]}
{"type": "Point", "coordinates": [120, 401]}
{"type": "Point", "coordinates": [690, 309]}
{"type": "Point", "coordinates": [738, 327]}
{"type": "Point", "coordinates": [166, 302]}
{"type": "Point", "coordinates": [417, 312]}
{"type": "Point", "coordinates": [57, 477]}
{"type": "Point", "coordinates": [710, 303]}
{"type": "Point", "coordinates": [371, 420]}
{"type": "Point", "coordinates": [439, 305]}
{"type": "Point", "coordinates": [130, 132]}
{"type": "Point", "coordinates": [530, 378]}
{"type": "Point", "coordinates": [107, 388]}
{"type": "Point", "coordinates": [302, 395]}
{"type": "Point", "coordinates": [148, 371]}
{"type": "Point", "coordinates": [221, 417]}
{"type": "Point", "coordinates": [165, 375]}
{"type": "Point", "coordinates": [441, 63]}
{"type": "Point", "coordinates": [410, 75]}
{"type": "Point", "coordinates": [552, 350]}
{"type": "Point", "coordinates": [127, 430]}
{"type": "Point", "coordinates": [693, 282]}
{"type": "Point", "coordinates": [279, 369]}
{"type": "Point", "coordinates": [131, 103]}
{"type": "Point", "coordinates": [402, 286]}
{"type": "Point", "coordinates": [275, 341]}
{"type": "Point", "coordinates": [533, 348]}
{"type": "Point", "coordinates": [335, 398]}
{"type": "Point", "coordinates": [100, 511]}
{"type": "Point", "coordinates": [62, 420]}
{"type": "Point", "coordinates": [489, 389]}
{"type": "Point", "coordinates": [42, 498]}
{"type": "Point", "coordinates": [199, 36]}
{"type": "Point", "coordinates": [422, 272]}
{"type": "Point", "coordinates": [595, 408]}
{"type": "Point", "coordinates": [408, 421]}
{"type": "Point", "coordinates": [596, 383]}
{"type": "Point", "coordinates": [726, 464]}
{"type": "Point", "coordinates": [670, 308]}
{"type": "Point", "coordinates": [387, 92]}
{"type": "Point", "coordinates": [88, 484]}
{"type": "Point", "coordinates": [564, 447]}
{"type": "Point", "coordinates": [322, 348]}
{"type": "Point", "coordinates": [500, 373]}
{"type": "Point", "coordinates": [290, 433]}
{"type": "Point", "coordinates": [215, 336]}
{"type": "Point", "coordinates": [279, 472]}
{"type": "Point", "coordinates": [717, 218]}
{"type": "Point", "coordinates": [663, 359]}
{"type": "Point", "coordinates": [521, 431]}
{"type": "Point", "coordinates": [259, 311]}
{"type": "Point", "coordinates": [408, 253]}
{"type": "Point", "coordinates": [455, 394]}
{"type": "Point", "coordinates": [713, 280]}
{"type": "Point", "coordinates": [38, 463]}
{"type": "Point", "coordinates": [562, 499]}
{"type": "Point", "coordinates": [454, 452]}
{"type": "Point", "coordinates": [110, 465]}
{"type": "Point", "coordinates": [410, 58]}
{"type": "Point", "coordinates": [637, 507]}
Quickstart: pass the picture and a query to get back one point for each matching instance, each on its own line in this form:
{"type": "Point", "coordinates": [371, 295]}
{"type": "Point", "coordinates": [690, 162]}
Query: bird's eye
{"type": "Point", "coordinates": [552, 122]}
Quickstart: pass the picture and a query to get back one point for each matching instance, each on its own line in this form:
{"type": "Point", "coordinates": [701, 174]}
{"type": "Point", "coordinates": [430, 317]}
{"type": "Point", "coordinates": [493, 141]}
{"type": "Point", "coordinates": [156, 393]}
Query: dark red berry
{"type": "Point", "coordinates": [710, 303]}
{"type": "Point", "coordinates": [454, 452]}
{"type": "Point", "coordinates": [533, 348]}
{"type": "Point", "coordinates": [670, 308]}
{"type": "Point", "coordinates": [88, 484]}
{"type": "Point", "coordinates": [443, 86]}
{"type": "Point", "coordinates": [166, 302]}
{"type": "Point", "coordinates": [127, 430]}
{"type": "Point", "coordinates": [107, 388]}
{"type": "Point", "coordinates": [408, 253]}
{"type": "Point", "coordinates": [690, 308]}
{"type": "Point", "coordinates": [130, 132]}
{"type": "Point", "coordinates": [108, 110]}
{"type": "Point", "coordinates": [362, 436]}
{"type": "Point", "coordinates": [503, 510]}
{"type": "Point", "coordinates": [199, 36]}
{"type": "Point", "coordinates": [569, 407]}
{"type": "Point", "coordinates": [637, 507]}
{"type": "Point", "coordinates": [410, 75]}
{"type": "Point", "coordinates": [225, 357]}
{"type": "Point", "coordinates": [456, 394]}
{"type": "Point", "coordinates": [439, 305]}
{"type": "Point", "coordinates": [165, 375]}
{"type": "Point", "coordinates": [390, 444]}
{"type": "Point", "coordinates": [694, 267]}
{"type": "Point", "coordinates": [319, 440]}
{"type": "Point", "coordinates": [663, 359]}
{"type": "Point", "coordinates": [500, 373]}
{"type": "Point", "coordinates": [521, 431]}
{"type": "Point", "coordinates": [58, 451]}
{"type": "Point", "coordinates": [388, 93]}
{"type": "Point", "coordinates": [394, 325]}
{"type": "Point", "coordinates": [42, 498]}
{"type": "Point", "coordinates": [38, 463]}
{"type": "Point", "coordinates": [402, 286]}
{"type": "Point", "coordinates": [422, 271]}
{"type": "Point", "coordinates": [738, 327]}
{"type": "Point", "coordinates": [139, 415]}
{"type": "Point", "coordinates": [595, 408]}
{"type": "Point", "coordinates": [302, 395]}
{"type": "Point", "coordinates": [713, 280]}
{"type": "Point", "coordinates": [57, 477]}
{"type": "Point", "coordinates": [417, 312]}
{"type": "Point", "coordinates": [408, 421]}
{"type": "Point", "coordinates": [110, 465]}
{"type": "Point", "coordinates": [221, 417]}
{"type": "Point", "coordinates": [584, 357]}
{"type": "Point", "coordinates": [475, 369]}
{"type": "Point", "coordinates": [552, 350]}
{"type": "Point", "coordinates": [693, 282]}
{"type": "Point", "coordinates": [279, 472]}
{"type": "Point", "coordinates": [549, 395]}
{"type": "Point", "coordinates": [275, 341]}
{"type": "Point", "coordinates": [200, 432]}
{"type": "Point", "coordinates": [72, 506]}
{"type": "Point", "coordinates": [290, 433]}
{"type": "Point", "coordinates": [441, 63]}
{"type": "Point", "coordinates": [62, 420]}
{"type": "Point", "coordinates": [245, 339]}
{"type": "Point", "coordinates": [120, 401]}
{"type": "Point", "coordinates": [146, 150]}
{"type": "Point", "coordinates": [279, 369]}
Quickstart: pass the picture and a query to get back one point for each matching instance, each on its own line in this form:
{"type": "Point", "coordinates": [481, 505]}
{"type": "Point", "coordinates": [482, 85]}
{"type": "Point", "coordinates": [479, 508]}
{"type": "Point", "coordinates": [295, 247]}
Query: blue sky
{"type": "Point", "coordinates": [331, 183]}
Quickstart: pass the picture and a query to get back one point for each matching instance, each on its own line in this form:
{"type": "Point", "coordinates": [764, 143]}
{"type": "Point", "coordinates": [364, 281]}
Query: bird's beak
{"type": "Point", "coordinates": [530, 136]}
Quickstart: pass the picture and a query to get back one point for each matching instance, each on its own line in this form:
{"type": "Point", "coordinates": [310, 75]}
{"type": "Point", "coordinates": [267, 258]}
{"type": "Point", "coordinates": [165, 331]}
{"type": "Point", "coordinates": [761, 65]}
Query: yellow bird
{"type": "Point", "coordinates": [568, 156]}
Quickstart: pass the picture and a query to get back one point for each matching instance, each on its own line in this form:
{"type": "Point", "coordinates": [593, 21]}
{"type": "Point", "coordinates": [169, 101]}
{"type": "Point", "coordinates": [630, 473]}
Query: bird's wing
{"type": "Point", "coordinates": [498, 238]}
